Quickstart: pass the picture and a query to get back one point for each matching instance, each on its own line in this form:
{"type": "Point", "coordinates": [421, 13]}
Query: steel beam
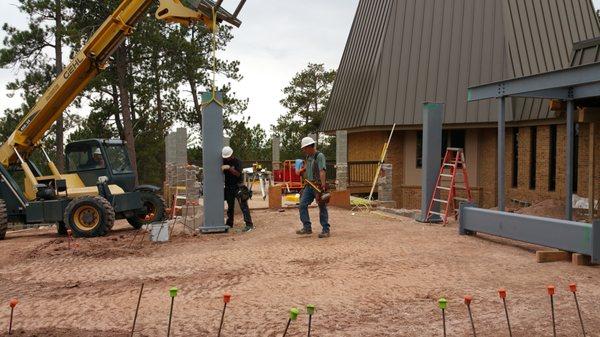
{"type": "Point", "coordinates": [570, 236]}
{"type": "Point", "coordinates": [501, 154]}
{"type": "Point", "coordinates": [556, 93]}
{"type": "Point", "coordinates": [569, 163]}
{"type": "Point", "coordinates": [214, 181]}
{"type": "Point", "coordinates": [586, 91]}
{"type": "Point", "coordinates": [433, 117]}
{"type": "Point", "coordinates": [564, 78]}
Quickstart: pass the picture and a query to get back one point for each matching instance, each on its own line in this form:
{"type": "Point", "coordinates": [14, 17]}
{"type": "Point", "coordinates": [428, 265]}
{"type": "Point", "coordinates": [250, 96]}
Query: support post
{"type": "Point", "coordinates": [433, 117]}
{"type": "Point", "coordinates": [591, 170]}
{"type": "Point", "coordinates": [501, 153]}
{"type": "Point", "coordinates": [275, 157]}
{"type": "Point", "coordinates": [570, 149]}
{"type": "Point", "coordinates": [341, 159]}
{"type": "Point", "coordinates": [212, 144]}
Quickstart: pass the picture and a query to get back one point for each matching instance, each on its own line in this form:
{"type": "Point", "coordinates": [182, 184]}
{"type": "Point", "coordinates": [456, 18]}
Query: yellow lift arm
{"type": "Point", "coordinates": [91, 60]}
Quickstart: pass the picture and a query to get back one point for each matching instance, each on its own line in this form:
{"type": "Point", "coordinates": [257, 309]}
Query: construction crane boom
{"type": "Point", "coordinates": [92, 59]}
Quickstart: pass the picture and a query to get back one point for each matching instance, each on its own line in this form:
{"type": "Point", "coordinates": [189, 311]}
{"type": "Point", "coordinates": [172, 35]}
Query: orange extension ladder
{"type": "Point", "coordinates": [454, 161]}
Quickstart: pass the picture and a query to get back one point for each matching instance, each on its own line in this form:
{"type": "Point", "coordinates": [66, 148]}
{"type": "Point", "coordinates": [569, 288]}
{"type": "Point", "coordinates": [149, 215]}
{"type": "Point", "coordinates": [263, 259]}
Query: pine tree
{"type": "Point", "coordinates": [27, 49]}
{"type": "Point", "coordinates": [306, 99]}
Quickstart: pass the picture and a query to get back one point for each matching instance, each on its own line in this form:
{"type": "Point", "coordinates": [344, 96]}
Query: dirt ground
{"type": "Point", "coordinates": [375, 276]}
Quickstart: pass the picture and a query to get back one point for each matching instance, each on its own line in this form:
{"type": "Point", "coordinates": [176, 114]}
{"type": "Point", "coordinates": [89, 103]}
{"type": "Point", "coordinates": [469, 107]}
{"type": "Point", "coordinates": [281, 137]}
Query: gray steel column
{"type": "Point", "coordinates": [214, 181]}
{"type": "Point", "coordinates": [570, 149]}
{"type": "Point", "coordinates": [501, 153]}
{"type": "Point", "coordinates": [433, 117]}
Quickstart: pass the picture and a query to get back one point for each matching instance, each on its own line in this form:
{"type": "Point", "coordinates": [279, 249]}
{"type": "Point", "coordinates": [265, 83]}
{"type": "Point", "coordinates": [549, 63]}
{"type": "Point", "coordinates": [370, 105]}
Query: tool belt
{"type": "Point", "coordinates": [244, 193]}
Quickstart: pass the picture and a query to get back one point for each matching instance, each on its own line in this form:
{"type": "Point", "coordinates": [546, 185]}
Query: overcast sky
{"type": "Point", "coordinates": [277, 39]}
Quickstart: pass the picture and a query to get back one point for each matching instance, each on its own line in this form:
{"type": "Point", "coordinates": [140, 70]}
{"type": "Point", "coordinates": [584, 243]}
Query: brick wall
{"type": "Point", "coordinates": [488, 166]}
{"type": "Point", "coordinates": [541, 191]}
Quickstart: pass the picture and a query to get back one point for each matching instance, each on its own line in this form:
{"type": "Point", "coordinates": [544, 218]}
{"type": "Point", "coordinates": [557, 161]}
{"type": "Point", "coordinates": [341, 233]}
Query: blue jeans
{"type": "Point", "coordinates": [308, 195]}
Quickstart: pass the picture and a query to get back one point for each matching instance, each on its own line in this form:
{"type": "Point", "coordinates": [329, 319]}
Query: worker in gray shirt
{"type": "Point", "coordinates": [314, 174]}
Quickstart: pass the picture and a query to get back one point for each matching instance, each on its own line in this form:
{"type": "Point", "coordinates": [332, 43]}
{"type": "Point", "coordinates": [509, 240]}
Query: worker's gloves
{"type": "Point", "coordinates": [324, 187]}
{"type": "Point", "coordinates": [225, 167]}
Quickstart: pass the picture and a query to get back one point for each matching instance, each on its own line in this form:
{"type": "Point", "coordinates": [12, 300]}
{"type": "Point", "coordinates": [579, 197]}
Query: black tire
{"type": "Point", "coordinates": [89, 216]}
{"type": "Point", "coordinates": [61, 228]}
{"type": "Point", "coordinates": [3, 220]}
{"type": "Point", "coordinates": [153, 204]}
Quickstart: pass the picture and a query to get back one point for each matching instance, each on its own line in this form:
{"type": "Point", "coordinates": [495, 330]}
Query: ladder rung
{"type": "Point", "coordinates": [446, 175]}
{"type": "Point", "coordinates": [443, 188]}
{"type": "Point", "coordinates": [438, 213]}
{"type": "Point", "coordinates": [448, 164]}
{"type": "Point", "coordinates": [460, 187]}
{"type": "Point", "coordinates": [461, 199]}
{"type": "Point", "coordinates": [440, 200]}
{"type": "Point", "coordinates": [454, 149]}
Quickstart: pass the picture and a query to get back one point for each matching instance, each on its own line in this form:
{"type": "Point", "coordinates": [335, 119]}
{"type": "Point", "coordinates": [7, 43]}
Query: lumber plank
{"type": "Point", "coordinates": [543, 256]}
{"type": "Point", "coordinates": [581, 260]}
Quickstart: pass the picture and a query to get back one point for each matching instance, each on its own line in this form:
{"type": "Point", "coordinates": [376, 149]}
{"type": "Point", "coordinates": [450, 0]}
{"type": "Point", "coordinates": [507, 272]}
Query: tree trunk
{"type": "Point", "coordinates": [159, 112]}
{"type": "Point", "coordinates": [121, 63]}
{"type": "Point", "coordinates": [197, 105]}
{"type": "Point", "coordinates": [60, 154]}
{"type": "Point", "coordinates": [115, 96]}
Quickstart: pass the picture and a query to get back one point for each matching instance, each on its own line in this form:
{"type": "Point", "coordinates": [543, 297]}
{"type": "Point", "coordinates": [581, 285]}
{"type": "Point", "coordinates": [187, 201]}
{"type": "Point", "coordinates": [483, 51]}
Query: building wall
{"type": "Point", "coordinates": [481, 155]}
{"type": "Point", "coordinates": [488, 166]}
{"type": "Point", "coordinates": [367, 146]}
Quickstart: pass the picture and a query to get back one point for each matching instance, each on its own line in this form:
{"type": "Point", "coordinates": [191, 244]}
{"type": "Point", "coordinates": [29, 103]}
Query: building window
{"type": "Point", "coordinates": [450, 138]}
{"type": "Point", "coordinates": [575, 158]}
{"type": "Point", "coordinates": [532, 156]}
{"type": "Point", "coordinates": [419, 149]}
{"type": "Point", "coordinates": [515, 157]}
{"type": "Point", "coordinates": [552, 164]}
{"type": "Point", "coordinates": [457, 139]}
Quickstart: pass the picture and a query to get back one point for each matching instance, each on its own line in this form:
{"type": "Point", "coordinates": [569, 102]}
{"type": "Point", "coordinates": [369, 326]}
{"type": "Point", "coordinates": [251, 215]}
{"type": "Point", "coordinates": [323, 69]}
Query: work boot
{"type": "Point", "coordinates": [248, 228]}
{"type": "Point", "coordinates": [304, 231]}
{"type": "Point", "coordinates": [324, 234]}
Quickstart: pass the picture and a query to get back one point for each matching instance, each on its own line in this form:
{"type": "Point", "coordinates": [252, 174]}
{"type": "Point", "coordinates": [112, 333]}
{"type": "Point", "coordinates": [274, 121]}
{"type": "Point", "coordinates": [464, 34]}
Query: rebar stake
{"type": "Point", "coordinates": [502, 294]}
{"type": "Point", "coordinates": [310, 309]}
{"type": "Point", "coordinates": [573, 289]}
{"type": "Point", "coordinates": [551, 294]}
{"type": "Point", "coordinates": [293, 317]}
{"type": "Point", "coordinates": [442, 303]}
{"type": "Point", "coordinates": [226, 299]}
{"type": "Point", "coordinates": [13, 303]}
{"type": "Point", "coordinates": [172, 293]}
{"type": "Point", "coordinates": [468, 300]}
{"type": "Point", "coordinates": [137, 308]}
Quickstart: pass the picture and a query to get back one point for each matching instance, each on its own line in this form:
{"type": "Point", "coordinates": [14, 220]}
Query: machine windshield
{"type": "Point", "coordinates": [118, 158]}
{"type": "Point", "coordinates": [85, 158]}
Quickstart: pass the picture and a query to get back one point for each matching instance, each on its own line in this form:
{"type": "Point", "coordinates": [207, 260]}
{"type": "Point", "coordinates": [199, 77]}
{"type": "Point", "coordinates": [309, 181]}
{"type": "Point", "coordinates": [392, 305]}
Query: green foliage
{"type": "Point", "coordinates": [249, 143]}
{"type": "Point", "coordinates": [306, 99]}
{"type": "Point", "coordinates": [164, 62]}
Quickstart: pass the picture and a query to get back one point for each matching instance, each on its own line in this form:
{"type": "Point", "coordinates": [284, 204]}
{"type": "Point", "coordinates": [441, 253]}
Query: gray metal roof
{"type": "Point", "coordinates": [586, 52]}
{"type": "Point", "coordinates": [404, 52]}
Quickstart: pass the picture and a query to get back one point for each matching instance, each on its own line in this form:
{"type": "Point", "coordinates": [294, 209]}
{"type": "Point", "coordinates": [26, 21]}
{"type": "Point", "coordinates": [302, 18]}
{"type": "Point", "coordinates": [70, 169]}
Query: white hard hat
{"type": "Point", "coordinates": [227, 152]}
{"type": "Point", "coordinates": [97, 151]}
{"type": "Point", "coordinates": [306, 141]}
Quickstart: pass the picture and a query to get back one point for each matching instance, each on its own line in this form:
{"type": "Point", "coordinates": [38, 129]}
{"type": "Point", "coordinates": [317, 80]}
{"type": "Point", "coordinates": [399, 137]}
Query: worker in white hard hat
{"type": "Point", "coordinates": [235, 189]}
{"type": "Point", "coordinates": [313, 171]}
{"type": "Point", "coordinates": [97, 159]}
